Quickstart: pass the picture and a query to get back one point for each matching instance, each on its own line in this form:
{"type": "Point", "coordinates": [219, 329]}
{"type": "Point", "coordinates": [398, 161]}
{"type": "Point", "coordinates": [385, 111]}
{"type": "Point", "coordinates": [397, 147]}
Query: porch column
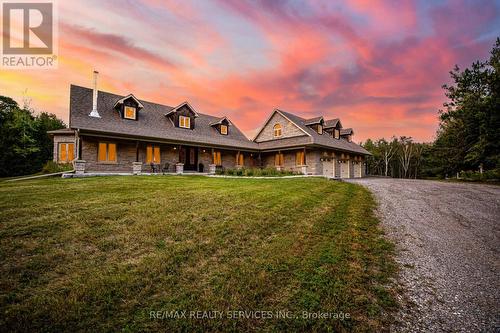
{"type": "Point", "coordinates": [179, 167]}
{"type": "Point", "coordinates": [137, 151]}
{"type": "Point", "coordinates": [304, 166]}
{"type": "Point", "coordinates": [238, 166]}
{"type": "Point", "coordinates": [212, 166]}
{"type": "Point", "coordinates": [278, 166]}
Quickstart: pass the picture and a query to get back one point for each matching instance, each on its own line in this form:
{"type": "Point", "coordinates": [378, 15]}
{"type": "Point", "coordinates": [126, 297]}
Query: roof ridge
{"type": "Point", "coordinates": [141, 100]}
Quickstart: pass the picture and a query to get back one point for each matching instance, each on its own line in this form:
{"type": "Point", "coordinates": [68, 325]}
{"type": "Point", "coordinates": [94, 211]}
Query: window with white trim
{"type": "Point", "coordinates": [129, 112]}
{"type": "Point", "coordinates": [184, 122]}
{"type": "Point", "coordinates": [278, 131]}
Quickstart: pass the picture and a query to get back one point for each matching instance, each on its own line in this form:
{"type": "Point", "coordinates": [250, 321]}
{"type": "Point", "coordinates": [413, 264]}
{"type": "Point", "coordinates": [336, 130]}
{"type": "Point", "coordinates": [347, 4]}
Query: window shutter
{"type": "Point", "coordinates": [112, 152]}
{"type": "Point", "coordinates": [62, 152]}
{"type": "Point", "coordinates": [71, 152]}
{"type": "Point", "coordinates": [156, 151]}
{"type": "Point", "coordinates": [149, 154]}
{"type": "Point", "coordinates": [102, 152]}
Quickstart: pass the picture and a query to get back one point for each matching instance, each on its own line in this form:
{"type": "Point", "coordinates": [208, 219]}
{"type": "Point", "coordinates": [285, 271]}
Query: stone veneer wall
{"type": "Point", "coordinates": [125, 152]}
{"type": "Point", "coordinates": [126, 155]}
{"type": "Point", "coordinates": [62, 138]}
{"type": "Point", "coordinates": [287, 127]}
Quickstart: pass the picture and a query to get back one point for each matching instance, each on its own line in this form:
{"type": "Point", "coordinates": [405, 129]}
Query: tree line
{"type": "Point", "coordinates": [468, 139]}
{"type": "Point", "coordinates": [24, 144]}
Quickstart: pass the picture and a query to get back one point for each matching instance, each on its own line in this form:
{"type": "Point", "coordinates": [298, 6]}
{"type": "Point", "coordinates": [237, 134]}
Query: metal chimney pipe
{"type": "Point", "coordinates": [94, 112]}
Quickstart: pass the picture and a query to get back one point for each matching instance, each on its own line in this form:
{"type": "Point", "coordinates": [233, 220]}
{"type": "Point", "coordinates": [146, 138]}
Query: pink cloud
{"type": "Point", "coordinates": [378, 65]}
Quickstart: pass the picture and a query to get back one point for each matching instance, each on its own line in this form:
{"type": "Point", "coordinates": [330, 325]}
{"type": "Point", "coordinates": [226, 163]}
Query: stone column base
{"type": "Point", "coordinates": [79, 166]}
{"type": "Point", "coordinates": [211, 169]}
{"type": "Point", "coordinates": [303, 169]}
{"type": "Point", "coordinates": [238, 167]}
{"type": "Point", "coordinates": [179, 168]}
{"type": "Point", "coordinates": [136, 168]}
{"type": "Point", "coordinates": [279, 168]}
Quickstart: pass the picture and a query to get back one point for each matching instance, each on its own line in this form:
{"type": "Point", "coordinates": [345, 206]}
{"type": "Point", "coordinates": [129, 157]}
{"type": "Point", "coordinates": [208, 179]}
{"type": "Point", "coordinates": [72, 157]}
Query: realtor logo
{"type": "Point", "coordinates": [29, 31]}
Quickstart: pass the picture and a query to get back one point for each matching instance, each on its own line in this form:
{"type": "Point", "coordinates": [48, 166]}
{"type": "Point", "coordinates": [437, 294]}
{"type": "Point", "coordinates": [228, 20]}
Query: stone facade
{"type": "Point", "coordinates": [288, 129]}
{"type": "Point", "coordinates": [128, 151]}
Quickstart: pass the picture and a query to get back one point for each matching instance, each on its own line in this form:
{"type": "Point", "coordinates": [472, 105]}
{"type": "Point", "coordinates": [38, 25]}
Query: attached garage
{"type": "Point", "coordinates": [344, 169]}
{"type": "Point", "coordinates": [357, 169]}
{"type": "Point", "coordinates": [328, 168]}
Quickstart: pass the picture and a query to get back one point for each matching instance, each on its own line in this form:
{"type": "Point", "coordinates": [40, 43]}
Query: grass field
{"type": "Point", "coordinates": [100, 254]}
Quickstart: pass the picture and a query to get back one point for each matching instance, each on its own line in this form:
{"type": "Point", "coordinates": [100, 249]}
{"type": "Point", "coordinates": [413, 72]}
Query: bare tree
{"type": "Point", "coordinates": [405, 154]}
{"type": "Point", "coordinates": [419, 148]}
{"type": "Point", "coordinates": [388, 149]}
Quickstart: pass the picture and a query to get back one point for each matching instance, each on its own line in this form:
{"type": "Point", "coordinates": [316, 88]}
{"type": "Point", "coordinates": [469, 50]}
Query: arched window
{"type": "Point", "coordinates": [277, 130]}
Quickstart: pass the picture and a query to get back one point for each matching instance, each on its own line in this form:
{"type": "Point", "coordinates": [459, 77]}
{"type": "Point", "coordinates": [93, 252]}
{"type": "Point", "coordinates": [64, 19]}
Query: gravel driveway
{"type": "Point", "coordinates": [448, 240]}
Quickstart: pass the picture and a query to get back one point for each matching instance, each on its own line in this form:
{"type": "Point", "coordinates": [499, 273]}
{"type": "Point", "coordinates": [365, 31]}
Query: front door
{"type": "Point", "coordinates": [189, 156]}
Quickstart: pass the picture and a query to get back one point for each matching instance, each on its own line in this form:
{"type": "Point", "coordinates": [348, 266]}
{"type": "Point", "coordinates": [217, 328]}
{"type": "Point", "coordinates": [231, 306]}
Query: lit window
{"type": "Point", "coordinates": [217, 158]}
{"type": "Point", "coordinates": [300, 158]}
{"type": "Point", "coordinates": [239, 159]}
{"type": "Point", "coordinates": [279, 159]}
{"type": "Point", "coordinates": [223, 129]}
{"type": "Point", "coordinates": [66, 152]}
{"type": "Point", "coordinates": [320, 129]}
{"type": "Point", "coordinates": [337, 133]}
{"type": "Point", "coordinates": [277, 130]}
{"type": "Point", "coordinates": [107, 152]}
{"type": "Point", "coordinates": [184, 122]}
{"type": "Point", "coordinates": [129, 112]}
{"type": "Point", "coordinates": [153, 154]}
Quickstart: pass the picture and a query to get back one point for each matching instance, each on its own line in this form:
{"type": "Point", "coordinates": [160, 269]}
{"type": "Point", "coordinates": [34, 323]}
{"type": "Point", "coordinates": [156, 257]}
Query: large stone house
{"type": "Point", "coordinates": [109, 133]}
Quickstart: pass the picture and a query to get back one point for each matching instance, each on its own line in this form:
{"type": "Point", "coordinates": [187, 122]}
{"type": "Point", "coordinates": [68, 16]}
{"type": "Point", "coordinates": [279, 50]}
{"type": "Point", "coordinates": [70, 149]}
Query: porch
{"type": "Point", "coordinates": [110, 155]}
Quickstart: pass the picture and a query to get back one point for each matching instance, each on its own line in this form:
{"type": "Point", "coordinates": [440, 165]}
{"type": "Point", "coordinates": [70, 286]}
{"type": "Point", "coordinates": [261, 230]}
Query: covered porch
{"type": "Point", "coordinates": [104, 154]}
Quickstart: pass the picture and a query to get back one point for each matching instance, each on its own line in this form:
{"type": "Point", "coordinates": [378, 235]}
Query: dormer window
{"type": "Point", "coordinates": [223, 129]}
{"type": "Point", "coordinates": [128, 107]}
{"type": "Point", "coordinates": [320, 129]}
{"type": "Point", "coordinates": [337, 133]}
{"type": "Point", "coordinates": [130, 113]}
{"type": "Point", "coordinates": [277, 130]}
{"type": "Point", "coordinates": [184, 122]}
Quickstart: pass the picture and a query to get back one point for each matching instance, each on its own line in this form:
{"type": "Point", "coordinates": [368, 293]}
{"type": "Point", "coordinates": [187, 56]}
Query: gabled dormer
{"type": "Point", "coordinates": [347, 134]}
{"type": "Point", "coordinates": [221, 125]}
{"type": "Point", "coordinates": [333, 127]}
{"type": "Point", "coordinates": [128, 107]}
{"type": "Point", "coordinates": [183, 116]}
{"type": "Point", "coordinates": [316, 124]}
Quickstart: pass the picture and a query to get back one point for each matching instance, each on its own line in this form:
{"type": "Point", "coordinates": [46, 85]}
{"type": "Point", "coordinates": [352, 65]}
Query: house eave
{"type": "Point", "coordinates": [115, 135]}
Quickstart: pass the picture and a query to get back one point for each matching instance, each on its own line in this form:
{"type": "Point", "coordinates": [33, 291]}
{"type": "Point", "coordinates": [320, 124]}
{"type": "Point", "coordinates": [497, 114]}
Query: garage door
{"type": "Point", "coordinates": [357, 169]}
{"type": "Point", "coordinates": [344, 169]}
{"type": "Point", "coordinates": [328, 168]}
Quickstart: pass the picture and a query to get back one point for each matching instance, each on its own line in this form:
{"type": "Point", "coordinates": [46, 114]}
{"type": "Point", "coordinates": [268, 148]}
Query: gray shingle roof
{"type": "Point", "coordinates": [312, 121]}
{"type": "Point", "coordinates": [346, 131]}
{"type": "Point", "coordinates": [62, 131]}
{"type": "Point", "coordinates": [151, 123]}
{"type": "Point", "coordinates": [331, 123]}
{"type": "Point", "coordinates": [324, 139]}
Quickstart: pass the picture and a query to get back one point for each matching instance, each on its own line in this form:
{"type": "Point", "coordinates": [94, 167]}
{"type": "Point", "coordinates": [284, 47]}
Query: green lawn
{"type": "Point", "coordinates": [99, 254]}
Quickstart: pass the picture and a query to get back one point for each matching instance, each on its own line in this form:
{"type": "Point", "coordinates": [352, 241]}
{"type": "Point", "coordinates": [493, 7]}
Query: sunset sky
{"type": "Point", "coordinates": [377, 65]}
